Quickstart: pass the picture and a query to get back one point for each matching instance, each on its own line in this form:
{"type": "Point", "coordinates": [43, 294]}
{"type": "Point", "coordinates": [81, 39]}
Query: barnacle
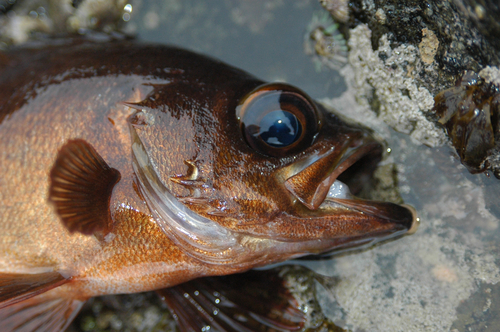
{"type": "Point", "coordinates": [338, 8]}
{"type": "Point", "coordinates": [324, 42]}
{"type": "Point", "coordinates": [470, 113]}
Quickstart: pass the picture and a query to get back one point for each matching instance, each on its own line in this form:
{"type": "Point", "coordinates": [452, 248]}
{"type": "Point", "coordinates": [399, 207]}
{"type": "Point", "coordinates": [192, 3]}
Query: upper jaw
{"type": "Point", "coordinates": [312, 184]}
{"type": "Point", "coordinates": [310, 178]}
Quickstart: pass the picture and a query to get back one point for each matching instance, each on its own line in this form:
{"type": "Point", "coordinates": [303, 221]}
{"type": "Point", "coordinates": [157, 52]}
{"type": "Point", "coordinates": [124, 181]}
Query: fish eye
{"type": "Point", "coordinates": [277, 119]}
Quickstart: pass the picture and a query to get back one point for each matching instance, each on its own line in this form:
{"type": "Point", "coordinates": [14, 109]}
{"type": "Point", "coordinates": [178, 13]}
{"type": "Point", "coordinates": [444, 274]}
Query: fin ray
{"type": "Point", "coordinates": [15, 288]}
{"type": "Point", "coordinates": [40, 313]}
{"type": "Point", "coordinates": [248, 302]}
{"type": "Point", "coordinates": [81, 183]}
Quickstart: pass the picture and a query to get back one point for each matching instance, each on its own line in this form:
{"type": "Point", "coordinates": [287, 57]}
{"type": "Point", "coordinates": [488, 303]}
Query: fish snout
{"type": "Point", "coordinates": [323, 188]}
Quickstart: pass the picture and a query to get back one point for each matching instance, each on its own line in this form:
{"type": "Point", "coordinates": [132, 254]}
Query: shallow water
{"type": "Point", "coordinates": [442, 278]}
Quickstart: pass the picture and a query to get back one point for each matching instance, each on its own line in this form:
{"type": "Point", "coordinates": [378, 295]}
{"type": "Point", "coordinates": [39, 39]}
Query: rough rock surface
{"type": "Point", "coordinates": [422, 48]}
{"type": "Point", "coordinates": [454, 26]}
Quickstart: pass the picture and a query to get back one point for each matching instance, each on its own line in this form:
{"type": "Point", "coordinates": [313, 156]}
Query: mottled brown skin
{"type": "Point", "coordinates": [93, 92]}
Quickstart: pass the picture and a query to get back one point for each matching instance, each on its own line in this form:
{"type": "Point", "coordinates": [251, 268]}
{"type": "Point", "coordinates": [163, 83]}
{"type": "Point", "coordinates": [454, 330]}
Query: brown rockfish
{"type": "Point", "coordinates": [126, 168]}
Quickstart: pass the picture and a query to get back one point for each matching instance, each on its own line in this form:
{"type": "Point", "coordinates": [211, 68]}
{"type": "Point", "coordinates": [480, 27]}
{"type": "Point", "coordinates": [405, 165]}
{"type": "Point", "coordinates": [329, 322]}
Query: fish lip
{"type": "Point", "coordinates": [401, 215]}
{"type": "Point", "coordinates": [403, 218]}
{"type": "Point", "coordinates": [370, 149]}
{"type": "Point", "coordinates": [373, 149]}
{"type": "Point", "coordinates": [364, 242]}
{"type": "Point", "coordinates": [313, 179]}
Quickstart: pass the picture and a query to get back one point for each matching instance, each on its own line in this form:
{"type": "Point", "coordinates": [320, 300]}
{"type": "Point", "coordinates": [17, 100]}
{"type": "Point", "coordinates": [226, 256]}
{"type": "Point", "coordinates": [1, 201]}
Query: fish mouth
{"type": "Point", "coordinates": [341, 194]}
{"type": "Point", "coordinates": [330, 181]}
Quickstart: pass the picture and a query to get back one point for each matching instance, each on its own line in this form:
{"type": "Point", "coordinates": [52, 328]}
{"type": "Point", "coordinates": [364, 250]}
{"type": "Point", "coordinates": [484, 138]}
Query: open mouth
{"type": "Point", "coordinates": [353, 176]}
{"type": "Point", "coordinates": [351, 162]}
{"type": "Point", "coordinates": [358, 179]}
{"type": "Point", "coordinates": [335, 179]}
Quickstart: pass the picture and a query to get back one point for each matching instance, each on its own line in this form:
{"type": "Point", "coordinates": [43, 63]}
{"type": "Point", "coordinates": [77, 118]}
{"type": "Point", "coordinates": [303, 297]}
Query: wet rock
{"type": "Point", "coordinates": [384, 80]}
{"type": "Point", "coordinates": [481, 312]}
{"type": "Point", "coordinates": [470, 112]}
{"type": "Point", "coordinates": [462, 43]}
{"type": "Point", "coordinates": [426, 46]}
{"type": "Point", "coordinates": [21, 21]}
{"type": "Point", "coordinates": [137, 312]}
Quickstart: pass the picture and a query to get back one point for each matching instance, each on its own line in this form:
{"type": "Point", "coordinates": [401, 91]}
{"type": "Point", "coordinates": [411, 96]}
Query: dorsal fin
{"type": "Point", "coordinates": [15, 288]}
{"type": "Point", "coordinates": [81, 184]}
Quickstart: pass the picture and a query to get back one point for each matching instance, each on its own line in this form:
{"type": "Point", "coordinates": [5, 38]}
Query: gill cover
{"type": "Point", "coordinates": [198, 236]}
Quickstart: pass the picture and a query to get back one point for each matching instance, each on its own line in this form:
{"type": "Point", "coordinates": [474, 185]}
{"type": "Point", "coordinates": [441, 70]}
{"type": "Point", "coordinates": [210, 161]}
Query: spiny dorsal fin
{"type": "Point", "coordinates": [248, 302]}
{"type": "Point", "coordinates": [15, 288]}
{"type": "Point", "coordinates": [81, 184]}
{"type": "Point", "coordinates": [40, 313]}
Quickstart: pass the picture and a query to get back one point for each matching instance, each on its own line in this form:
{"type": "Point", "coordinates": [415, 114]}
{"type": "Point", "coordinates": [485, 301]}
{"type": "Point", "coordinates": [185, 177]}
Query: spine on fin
{"type": "Point", "coordinates": [249, 302]}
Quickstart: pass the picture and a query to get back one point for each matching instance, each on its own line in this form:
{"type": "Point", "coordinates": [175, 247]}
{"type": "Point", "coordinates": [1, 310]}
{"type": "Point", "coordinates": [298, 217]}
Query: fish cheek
{"type": "Point", "coordinates": [166, 141]}
{"type": "Point", "coordinates": [247, 186]}
{"type": "Point", "coordinates": [247, 190]}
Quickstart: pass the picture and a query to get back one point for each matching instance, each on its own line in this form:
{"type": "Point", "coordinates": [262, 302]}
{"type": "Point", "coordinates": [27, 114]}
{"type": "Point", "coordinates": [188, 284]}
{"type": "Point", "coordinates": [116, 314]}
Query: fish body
{"type": "Point", "coordinates": [128, 167]}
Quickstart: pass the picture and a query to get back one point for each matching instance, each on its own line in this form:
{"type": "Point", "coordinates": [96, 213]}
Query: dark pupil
{"type": "Point", "coordinates": [279, 128]}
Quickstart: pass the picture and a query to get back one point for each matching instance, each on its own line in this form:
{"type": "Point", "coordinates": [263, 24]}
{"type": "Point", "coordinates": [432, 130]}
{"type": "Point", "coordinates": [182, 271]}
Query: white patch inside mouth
{"type": "Point", "coordinates": [339, 190]}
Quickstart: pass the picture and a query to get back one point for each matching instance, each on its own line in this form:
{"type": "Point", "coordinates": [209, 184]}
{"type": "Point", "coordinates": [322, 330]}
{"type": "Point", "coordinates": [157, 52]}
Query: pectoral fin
{"type": "Point", "coordinates": [81, 184]}
{"type": "Point", "coordinates": [253, 301]}
{"type": "Point", "coordinates": [15, 288]}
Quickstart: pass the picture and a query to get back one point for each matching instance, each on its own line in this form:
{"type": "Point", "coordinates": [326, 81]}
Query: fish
{"type": "Point", "coordinates": [129, 167]}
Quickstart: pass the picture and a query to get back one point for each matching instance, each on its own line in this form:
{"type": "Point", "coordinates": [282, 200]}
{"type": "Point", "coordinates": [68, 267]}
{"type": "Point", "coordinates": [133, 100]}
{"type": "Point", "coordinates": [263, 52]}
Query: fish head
{"type": "Point", "coordinates": [249, 174]}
